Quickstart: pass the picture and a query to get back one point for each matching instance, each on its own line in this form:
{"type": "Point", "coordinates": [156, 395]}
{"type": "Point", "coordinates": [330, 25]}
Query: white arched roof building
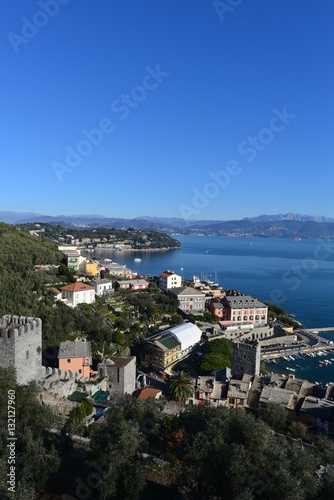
{"type": "Point", "coordinates": [187, 334]}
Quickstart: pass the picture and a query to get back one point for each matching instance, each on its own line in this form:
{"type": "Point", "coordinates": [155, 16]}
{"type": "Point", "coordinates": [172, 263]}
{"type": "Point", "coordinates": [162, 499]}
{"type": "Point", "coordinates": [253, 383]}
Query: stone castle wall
{"type": "Point", "coordinates": [61, 384]}
{"type": "Point", "coordinates": [21, 346]}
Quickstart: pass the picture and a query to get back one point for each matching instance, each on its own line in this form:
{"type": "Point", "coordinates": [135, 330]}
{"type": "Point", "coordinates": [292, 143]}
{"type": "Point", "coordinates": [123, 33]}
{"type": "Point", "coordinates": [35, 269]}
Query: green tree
{"type": "Point", "coordinates": [274, 415]}
{"type": "Point", "coordinates": [217, 355]}
{"type": "Point", "coordinates": [119, 442]}
{"type": "Point", "coordinates": [36, 458]}
{"type": "Point", "coordinates": [181, 387]}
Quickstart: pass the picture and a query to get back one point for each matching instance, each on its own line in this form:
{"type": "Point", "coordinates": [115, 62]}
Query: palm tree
{"type": "Point", "coordinates": [181, 387]}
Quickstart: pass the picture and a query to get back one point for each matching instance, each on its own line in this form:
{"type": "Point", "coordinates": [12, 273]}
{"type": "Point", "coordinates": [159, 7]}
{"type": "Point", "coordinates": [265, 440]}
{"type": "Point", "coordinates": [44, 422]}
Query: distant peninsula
{"type": "Point", "coordinates": [102, 237]}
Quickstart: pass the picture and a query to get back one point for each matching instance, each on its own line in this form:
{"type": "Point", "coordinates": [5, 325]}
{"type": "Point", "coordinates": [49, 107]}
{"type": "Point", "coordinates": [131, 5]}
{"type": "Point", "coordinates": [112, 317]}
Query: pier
{"type": "Point", "coordinates": [312, 342]}
{"type": "Point", "coordinates": [318, 330]}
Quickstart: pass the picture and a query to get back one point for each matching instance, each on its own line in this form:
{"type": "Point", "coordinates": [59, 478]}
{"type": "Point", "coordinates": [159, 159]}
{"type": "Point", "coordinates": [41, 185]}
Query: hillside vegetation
{"type": "Point", "coordinates": [136, 238]}
{"type": "Point", "coordinates": [23, 288]}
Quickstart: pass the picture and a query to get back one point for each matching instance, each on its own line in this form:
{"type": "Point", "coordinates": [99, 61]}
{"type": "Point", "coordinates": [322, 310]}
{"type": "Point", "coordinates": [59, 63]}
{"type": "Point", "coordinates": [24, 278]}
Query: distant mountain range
{"type": "Point", "coordinates": [290, 216]}
{"type": "Point", "coordinates": [288, 225]}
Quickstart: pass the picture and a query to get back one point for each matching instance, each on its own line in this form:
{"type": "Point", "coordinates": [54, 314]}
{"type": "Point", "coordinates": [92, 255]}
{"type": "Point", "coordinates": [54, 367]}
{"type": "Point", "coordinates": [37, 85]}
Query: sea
{"type": "Point", "coordinates": [298, 275]}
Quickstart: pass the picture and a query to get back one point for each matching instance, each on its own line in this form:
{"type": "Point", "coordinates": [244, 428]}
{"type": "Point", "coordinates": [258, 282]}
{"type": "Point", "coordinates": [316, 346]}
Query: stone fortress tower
{"type": "Point", "coordinates": [21, 347]}
{"type": "Point", "coordinates": [246, 358]}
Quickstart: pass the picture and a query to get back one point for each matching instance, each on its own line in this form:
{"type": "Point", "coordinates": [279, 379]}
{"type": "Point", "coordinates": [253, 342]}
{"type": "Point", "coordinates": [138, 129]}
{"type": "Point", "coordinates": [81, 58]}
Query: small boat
{"type": "Point", "coordinates": [290, 369]}
{"type": "Point", "coordinates": [274, 361]}
{"type": "Point", "coordinates": [320, 365]}
{"type": "Point", "coordinates": [137, 259]}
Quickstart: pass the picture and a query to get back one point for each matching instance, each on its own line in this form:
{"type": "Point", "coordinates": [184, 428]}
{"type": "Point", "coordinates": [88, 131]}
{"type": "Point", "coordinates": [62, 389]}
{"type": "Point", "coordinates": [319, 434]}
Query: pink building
{"type": "Point", "coordinates": [133, 284]}
{"type": "Point", "coordinates": [75, 357]}
{"type": "Point", "coordinates": [240, 309]}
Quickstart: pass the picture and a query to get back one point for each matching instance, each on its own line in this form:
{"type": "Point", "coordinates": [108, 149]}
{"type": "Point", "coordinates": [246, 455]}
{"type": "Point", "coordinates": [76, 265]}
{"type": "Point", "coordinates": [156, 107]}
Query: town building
{"type": "Point", "coordinates": [92, 267]}
{"type": "Point", "coordinates": [160, 351]}
{"type": "Point", "coordinates": [72, 259]}
{"type": "Point", "coordinates": [21, 347]}
{"type": "Point", "coordinates": [132, 284]}
{"type": "Point", "coordinates": [190, 299]}
{"type": "Point", "coordinates": [169, 280]}
{"type": "Point", "coordinates": [148, 392]}
{"type": "Point", "coordinates": [75, 356]}
{"type": "Point", "coordinates": [120, 374]}
{"type": "Point", "coordinates": [164, 349]}
{"type": "Point", "coordinates": [119, 271]}
{"type": "Point", "coordinates": [102, 286]}
{"type": "Point", "coordinates": [239, 310]}
{"type": "Point", "coordinates": [237, 394]}
{"type": "Point", "coordinates": [78, 293]}
{"type": "Point", "coordinates": [210, 390]}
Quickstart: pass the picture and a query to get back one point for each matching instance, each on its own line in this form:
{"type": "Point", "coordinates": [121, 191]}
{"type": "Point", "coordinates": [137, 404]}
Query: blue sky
{"type": "Point", "coordinates": [207, 110]}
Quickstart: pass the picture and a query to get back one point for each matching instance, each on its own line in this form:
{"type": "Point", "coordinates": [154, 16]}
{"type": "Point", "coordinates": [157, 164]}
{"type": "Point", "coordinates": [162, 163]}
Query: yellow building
{"type": "Point", "coordinates": [161, 351]}
{"type": "Point", "coordinates": [92, 268]}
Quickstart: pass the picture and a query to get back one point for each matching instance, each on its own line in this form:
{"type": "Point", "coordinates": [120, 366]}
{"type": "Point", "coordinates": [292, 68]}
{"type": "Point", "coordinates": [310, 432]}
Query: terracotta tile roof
{"type": "Point", "coordinates": [77, 287]}
{"type": "Point", "coordinates": [147, 392]}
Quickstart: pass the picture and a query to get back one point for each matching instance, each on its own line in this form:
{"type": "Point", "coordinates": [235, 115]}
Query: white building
{"type": "Point", "coordinates": [102, 286]}
{"type": "Point", "coordinates": [168, 280]}
{"type": "Point", "coordinates": [188, 335]}
{"type": "Point", "coordinates": [78, 293]}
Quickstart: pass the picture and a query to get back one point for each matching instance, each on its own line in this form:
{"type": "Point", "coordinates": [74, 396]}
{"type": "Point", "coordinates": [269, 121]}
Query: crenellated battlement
{"type": "Point", "coordinates": [13, 327]}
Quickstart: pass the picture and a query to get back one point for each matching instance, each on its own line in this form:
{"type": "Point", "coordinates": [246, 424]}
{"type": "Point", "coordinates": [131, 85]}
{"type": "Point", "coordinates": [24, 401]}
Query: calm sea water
{"type": "Point", "coordinates": [298, 275]}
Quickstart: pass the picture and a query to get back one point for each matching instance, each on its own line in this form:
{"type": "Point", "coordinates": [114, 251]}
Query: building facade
{"type": "Point", "coordinates": [78, 293]}
{"type": "Point", "coordinates": [190, 299]}
{"type": "Point", "coordinates": [75, 357]}
{"type": "Point", "coordinates": [169, 280]}
{"type": "Point", "coordinates": [133, 284]}
{"type": "Point", "coordinates": [239, 310]}
{"type": "Point", "coordinates": [102, 286]}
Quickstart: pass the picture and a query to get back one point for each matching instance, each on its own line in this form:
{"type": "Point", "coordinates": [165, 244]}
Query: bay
{"type": "Point", "coordinates": [300, 273]}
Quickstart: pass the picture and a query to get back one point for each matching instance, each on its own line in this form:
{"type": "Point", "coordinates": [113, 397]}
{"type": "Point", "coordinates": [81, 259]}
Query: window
{"type": "Point", "coordinates": [27, 354]}
{"type": "Point", "coordinates": [80, 370]}
{"type": "Point", "coordinates": [68, 360]}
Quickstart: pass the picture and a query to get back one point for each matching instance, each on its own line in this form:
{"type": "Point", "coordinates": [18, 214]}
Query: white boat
{"type": "Point", "coordinates": [137, 259]}
{"type": "Point", "coordinates": [290, 369]}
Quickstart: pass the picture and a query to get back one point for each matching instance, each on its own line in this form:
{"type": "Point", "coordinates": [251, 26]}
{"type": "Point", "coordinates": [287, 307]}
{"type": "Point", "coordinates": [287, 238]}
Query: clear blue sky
{"type": "Point", "coordinates": [223, 71]}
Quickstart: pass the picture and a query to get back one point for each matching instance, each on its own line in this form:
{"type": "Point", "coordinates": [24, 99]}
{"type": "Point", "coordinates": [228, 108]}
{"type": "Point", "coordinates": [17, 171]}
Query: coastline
{"type": "Point", "coordinates": [129, 250]}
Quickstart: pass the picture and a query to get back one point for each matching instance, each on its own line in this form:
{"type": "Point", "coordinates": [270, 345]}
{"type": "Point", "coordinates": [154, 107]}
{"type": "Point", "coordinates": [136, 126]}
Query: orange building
{"type": "Point", "coordinates": [76, 357]}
